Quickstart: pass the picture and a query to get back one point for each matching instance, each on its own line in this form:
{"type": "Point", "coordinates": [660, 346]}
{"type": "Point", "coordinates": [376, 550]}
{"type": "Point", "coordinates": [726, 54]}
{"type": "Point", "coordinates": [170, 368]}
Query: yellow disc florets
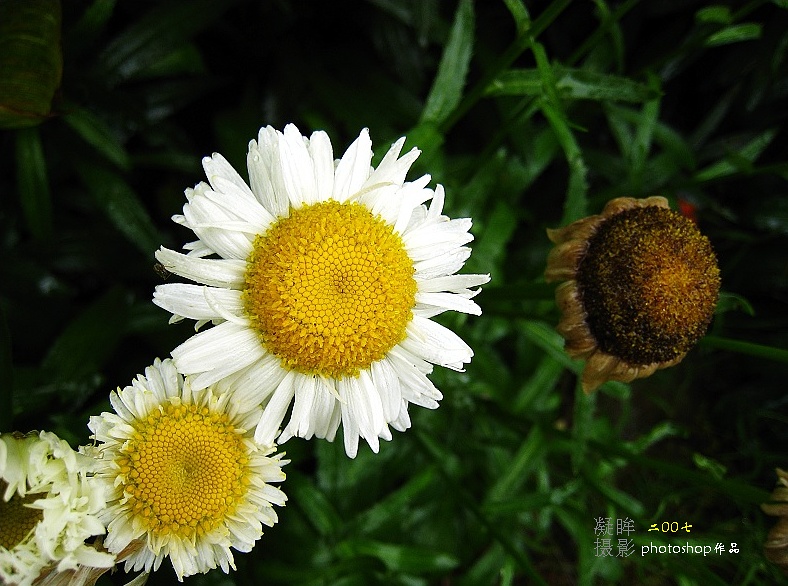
{"type": "Point", "coordinates": [649, 283]}
{"type": "Point", "coordinates": [330, 289]}
{"type": "Point", "coordinates": [184, 470]}
{"type": "Point", "coordinates": [16, 519]}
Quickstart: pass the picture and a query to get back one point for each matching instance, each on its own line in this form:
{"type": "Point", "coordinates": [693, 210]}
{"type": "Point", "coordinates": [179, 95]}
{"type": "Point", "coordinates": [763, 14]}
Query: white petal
{"type": "Point", "coordinates": [436, 205]}
{"type": "Point", "coordinates": [393, 170]}
{"type": "Point", "coordinates": [448, 301]}
{"type": "Point", "coordinates": [385, 379]}
{"type": "Point", "coordinates": [402, 422]}
{"type": "Point", "coordinates": [315, 410]}
{"type": "Point", "coordinates": [301, 419]}
{"type": "Point", "coordinates": [328, 395]}
{"type": "Point", "coordinates": [241, 206]}
{"type": "Point", "coordinates": [298, 173]}
{"type": "Point", "coordinates": [217, 167]}
{"type": "Point", "coordinates": [447, 232]}
{"type": "Point", "coordinates": [197, 248]}
{"type": "Point", "coordinates": [363, 408]}
{"type": "Point", "coordinates": [440, 266]}
{"type": "Point", "coordinates": [274, 411]}
{"type": "Point", "coordinates": [205, 218]}
{"type": "Point", "coordinates": [412, 195]}
{"type": "Point", "coordinates": [217, 352]}
{"type": "Point", "coordinates": [323, 160]}
{"type": "Point", "coordinates": [265, 172]}
{"type": "Point", "coordinates": [254, 384]}
{"type": "Point", "coordinates": [198, 301]}
{"type": "Point", "coordinates": [228, 273]}
{"type": "Point", "coordinates": [416, 387]}
{"type": "Point", "coordinates": [435, 343]}
{"type": "Point", "coordinates": [354, 168]}
{"type": "Point", "coordinates": [454, 283]}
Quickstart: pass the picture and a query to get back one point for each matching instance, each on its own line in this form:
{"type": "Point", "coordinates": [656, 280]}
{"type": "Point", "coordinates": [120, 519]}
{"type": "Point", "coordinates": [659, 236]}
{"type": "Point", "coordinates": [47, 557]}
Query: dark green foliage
{"type": "Point", "coordinates": [531, 115]}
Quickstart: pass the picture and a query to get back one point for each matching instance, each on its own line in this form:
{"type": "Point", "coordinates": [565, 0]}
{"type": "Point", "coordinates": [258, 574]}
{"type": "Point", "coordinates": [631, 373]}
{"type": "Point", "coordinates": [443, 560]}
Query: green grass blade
{"type": "Point", "coordinates": [449, 83]}
{"type": "Point", "coordinates": [735, 34]}
{"type": "Point", "coordinates": [88, 340]}
{"type": "Point", "coordinates": [32, 183]}
{"type": "Point", "coordinates": [316, 506]}
{"type": "Point", "coordinates": [576, 203]}
{"type": "Point", "coordinates": [520, 14]}
{"type": "Point", "coordinates": [154, 36]}
{"type": "Point", "coordinates": [527, 457]}
{"type": "Point", "coordinates": [399, 558]}
{"type": "Point", "coordinates": [122, 207]}
{"type": "Point", "coordinates": [739, 160]}
{"type": "Point", "coordinates": [96, 133]}
{"type": "Point", "coordinates": [749, 348]}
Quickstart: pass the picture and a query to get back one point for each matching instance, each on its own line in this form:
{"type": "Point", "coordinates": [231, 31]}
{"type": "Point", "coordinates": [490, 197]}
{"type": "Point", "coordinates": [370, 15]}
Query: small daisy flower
{"type": "Point", "coordinates": [640, 288]}
{"type": "Point", "coordinates": [185, 478]}
{"type": "Point", "coordinates": [49, 507]}
{"type": "Point", "coordinates": [321, 277]}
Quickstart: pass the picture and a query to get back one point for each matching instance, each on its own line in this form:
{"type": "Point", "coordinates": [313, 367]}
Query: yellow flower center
{"type": "Point", "coordinates": [649, 283]}
{"type": "Point", "coordinates": [330, 289]}
{"type": "Point", "coordinates": [17, 520]}
{"type": "Point", "coordinates": [183, 470]}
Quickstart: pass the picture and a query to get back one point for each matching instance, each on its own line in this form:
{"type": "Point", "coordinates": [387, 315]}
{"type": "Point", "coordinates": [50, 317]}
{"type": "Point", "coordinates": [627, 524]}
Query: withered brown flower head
{"type": "Point", "coordinates": [776, 546]}
{"type": "Point", "coordinates": [640, 287]}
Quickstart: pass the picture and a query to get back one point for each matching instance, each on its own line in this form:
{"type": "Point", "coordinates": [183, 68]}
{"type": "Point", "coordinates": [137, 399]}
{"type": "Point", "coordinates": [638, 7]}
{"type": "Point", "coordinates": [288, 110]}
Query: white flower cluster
{"type": "Point", "coordinates": [49, 499]}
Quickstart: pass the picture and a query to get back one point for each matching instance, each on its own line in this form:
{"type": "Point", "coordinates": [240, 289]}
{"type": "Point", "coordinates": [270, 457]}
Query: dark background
{"type": "Point", "coordinates": [503, 483]}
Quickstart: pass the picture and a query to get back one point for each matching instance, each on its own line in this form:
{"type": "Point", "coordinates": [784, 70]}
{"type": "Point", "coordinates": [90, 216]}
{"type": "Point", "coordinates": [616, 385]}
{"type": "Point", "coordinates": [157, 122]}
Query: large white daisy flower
{"type": "Point", "coordinates": [185, 479]}
{"type": "Point", "coordinates": [49, 507]}
{"type": "Point", "coordinates": [320, 278]}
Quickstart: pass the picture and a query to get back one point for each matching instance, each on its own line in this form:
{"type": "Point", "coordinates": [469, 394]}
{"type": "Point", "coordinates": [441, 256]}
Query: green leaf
{"type": "Point", "coordinates": [738, 160]}
{"type": "Point", "coordinates": [717, 13]}
{"type": "Point", "coordinates": [576, 203]}
{"type": "Point", "coordinates": [32, 183]}
{"type": "Point", "coordinates": [400, 558]}
{"type": "Point", "coordinates": [529, 454]}
{"type": "Point", "coordinates": [749, 348]}
{"type": "Point", "coordinates": [533, 393]}
{"type": "Point", "coordinates": [96, 133]}
{"type": "Point", "coordinates": [551, 342]}
{"type": "Point", "coordinates": [645, 129]}
{"type": "Point", "coordinates": [572, 84]}
{"type": "Point", "coordinates": [88, 341]}
{"type": "Point", "coordinates": [427, 138]}
{"type": "Point", "coordinates": [87, 29]}
{"type": "Point", "coordinates": [714, 468]}
{"type": "Point", "coordinates": [31, 61]}
{"type": "Point", "coordinates": [317, 508]}
{"type": "Point", "coordinates": [185, 59]}
{"type": "Point", "coordinates": [660, 431]}
{"type": "Point", "coordinates": [122, 206]}
{"type": "Point", "coordinates": [747, 31]}
{"type": "Point", "coordinates": [392, 506]}
{"type": "Point", "coordinates": [497, 232]}
{"type": "Point", "coordinates": [155, 36]}
{"type": "Point", "coordinates": [621, 120]}
{"type": "Point", "coordinates": [731, 301]}
{"type": "Point", "coordinates": [447, 88]}
{"type": "Point", "coordinates": [622, 500]}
